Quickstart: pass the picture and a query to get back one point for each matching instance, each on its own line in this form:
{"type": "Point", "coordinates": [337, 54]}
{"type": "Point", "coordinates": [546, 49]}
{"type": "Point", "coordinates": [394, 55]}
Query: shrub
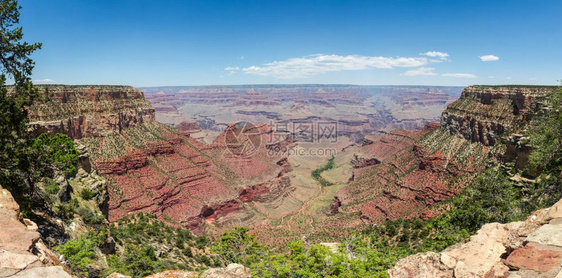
{"type": "Point", "coordinates": [316, 174]}
{"type": "Point", "coordinates": [80, 252]}
{"type": "Point", "coordinates": [86, 194]}
{"type": "Point", "coordinates": [89, 216]}
{"type": "Point", "coordinates": [50, 186]}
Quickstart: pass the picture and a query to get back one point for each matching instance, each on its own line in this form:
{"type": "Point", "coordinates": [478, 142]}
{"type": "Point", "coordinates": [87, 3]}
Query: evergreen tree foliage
{"type": "Point", "coordinates": [15, 68]}
{"type": "Point", "coordinates": [546, 139]}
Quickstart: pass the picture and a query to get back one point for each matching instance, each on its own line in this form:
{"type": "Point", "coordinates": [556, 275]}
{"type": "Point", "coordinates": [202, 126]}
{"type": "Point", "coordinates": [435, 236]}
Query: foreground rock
{"type": "Point", "coordinates": [231, 271]}
{"type": "Point", "coordinates": [22, 253]}
{"type": "Point", "coordinates": [174, 274]}
{"type": "Point", "coordinates": [532, 248]}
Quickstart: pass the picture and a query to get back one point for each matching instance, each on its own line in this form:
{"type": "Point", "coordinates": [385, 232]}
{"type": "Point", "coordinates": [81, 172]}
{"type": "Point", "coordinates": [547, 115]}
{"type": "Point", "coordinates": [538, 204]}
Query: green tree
{"type": "Point", "coordinates": [15, 67]}
{"type": "Point", "coordinates": [238, 246]}
{"type": "Point", "coordinates": [136, 261]}
{"type": "Point", "coordinates": [546, 139]}
{"type": "Point", "coordinates": [546, 135]}
{"type": "Point", "coordinates": [52, 154]}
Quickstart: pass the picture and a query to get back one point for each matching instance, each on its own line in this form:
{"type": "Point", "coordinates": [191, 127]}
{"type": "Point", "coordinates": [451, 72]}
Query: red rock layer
{"type": "Point", "coordinates": [253, 164]}
{"type": "Point", "coordinates": [408, 178]}
{"type": "Point", "coordinates": [169, 177]}
{"type": "Point", "coordinates": [163, 171]}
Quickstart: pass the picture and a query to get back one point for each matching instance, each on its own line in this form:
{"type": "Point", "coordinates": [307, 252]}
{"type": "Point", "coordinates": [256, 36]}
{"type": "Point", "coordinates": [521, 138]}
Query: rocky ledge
{"type": "Point", "coordinates": [22, 252]}
{"type": "Point", "coordinates": [89, 111]}
{"type": "Point", "coordinates": [531, 248]}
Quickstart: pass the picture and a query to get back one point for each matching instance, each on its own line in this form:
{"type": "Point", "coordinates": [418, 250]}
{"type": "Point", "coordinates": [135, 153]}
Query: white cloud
{"type": "Point", "coordinates": [460, 75]}
{"type": "Point", "coordinates": [420, 71]}
{"type": "Point", "coordinates": [241, 58]}
{"type": "Point", "coordinates": [320, 63]}
{"type": "Point", "coordinates": [438, 54]}
{"type": "Point", "coordinates": [46, 80]}
{"type": "Point", "coordinates": [491, 76]}
{"type": "Point", "coordinates": [488, 58]}
{"type": "Point", "coordinates": [232, 68]}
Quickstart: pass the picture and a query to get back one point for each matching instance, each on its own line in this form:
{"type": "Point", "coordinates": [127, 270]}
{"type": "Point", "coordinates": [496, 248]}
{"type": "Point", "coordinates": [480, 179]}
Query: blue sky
{"type": "Point", "coordinates": [156, 43]}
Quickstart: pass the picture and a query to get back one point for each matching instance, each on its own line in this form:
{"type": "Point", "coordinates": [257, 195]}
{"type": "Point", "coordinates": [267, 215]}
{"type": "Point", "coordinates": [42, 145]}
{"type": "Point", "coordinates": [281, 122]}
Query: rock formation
{"type": "Point", "coordinates": [252, 98]}
{"type": "Point", "coordinates": [230, 271]}
{"type": "Point", "coordinates": [359, 110]}
{"type": "Point", "coordinates": [403, 173]}
{"type": "Point", "coordinates": [22, 252]}
{"type": "Point", "coordinates": [484, 113]}
{"type": "Point", "coordinates": [532, 248]}
{"type": "Point", "coordinates": [89, 111]}
{"type": "Point", "coordinates": [154, 168]}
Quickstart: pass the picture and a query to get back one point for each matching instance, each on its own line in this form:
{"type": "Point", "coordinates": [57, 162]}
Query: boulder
{"type": "Point", "coordinates": [528, 249]}
{"type": "Point", "coordinates": [531, 258]}
{"type": "Point", "coordinates": [230, 271]}
{"type": "Point", "coordinates": [22, 253]}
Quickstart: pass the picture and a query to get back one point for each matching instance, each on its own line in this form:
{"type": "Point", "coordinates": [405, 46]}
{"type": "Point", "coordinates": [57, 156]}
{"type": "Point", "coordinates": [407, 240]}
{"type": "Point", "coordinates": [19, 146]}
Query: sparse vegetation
{"type": "Point", "coordinates": [86, 194]}
{"type": "Point", "coordinates": [50, 186]}
{"type": "Point", "coordinates": [546, 139]}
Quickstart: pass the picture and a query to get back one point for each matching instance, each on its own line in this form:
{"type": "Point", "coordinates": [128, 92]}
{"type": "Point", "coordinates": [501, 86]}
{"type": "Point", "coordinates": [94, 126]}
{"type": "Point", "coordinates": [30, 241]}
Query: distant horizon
{"type": "Point", "coordinates": [301, 84]}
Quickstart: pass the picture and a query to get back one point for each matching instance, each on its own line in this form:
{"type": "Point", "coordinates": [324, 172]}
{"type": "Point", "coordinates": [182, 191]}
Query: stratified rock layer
{"type": "Point", "coordinates": [404, 173]}
{"type": "Point", "coordinates": [152, 167]}
{"type": "Point", "coordinates": [89, 111]}
{"type": "Point", "coordinates": [157, 169]}
{"type": "Point", "coordinates": [483, 113]}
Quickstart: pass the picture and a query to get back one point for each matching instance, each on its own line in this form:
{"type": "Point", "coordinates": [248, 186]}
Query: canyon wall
{"type": "Point", "coordinates": [484, 113]}
{"type": "Point", "coordinates": [89, 111]}
{"type": "Point", "coordinates": [162, 170]}
{"type": "Point", "coordinates": [155, 168]}
{"type": "Point", "coordinates": [417, 169]}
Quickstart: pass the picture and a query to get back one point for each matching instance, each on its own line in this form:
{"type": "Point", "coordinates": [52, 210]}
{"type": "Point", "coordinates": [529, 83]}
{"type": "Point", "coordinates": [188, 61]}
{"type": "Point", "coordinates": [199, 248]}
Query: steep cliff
{"type": "Point", "coordinates": [158, 169]}
{"type": "Point", "coordinates": [155, 168]}
{"type": "Point", "coordinates": [418, 169]}
{"type": "Point", "coordinates": [89, 111]}
{"type": "Point", "coordinates": [484, 113]}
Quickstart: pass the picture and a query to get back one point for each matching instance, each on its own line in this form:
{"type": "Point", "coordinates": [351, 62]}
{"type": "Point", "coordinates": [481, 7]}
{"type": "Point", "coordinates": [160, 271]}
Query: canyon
{"type": "Point", "coordinates": [380, 173]}
{"type": "Point", "coordinates": [358, 110]}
